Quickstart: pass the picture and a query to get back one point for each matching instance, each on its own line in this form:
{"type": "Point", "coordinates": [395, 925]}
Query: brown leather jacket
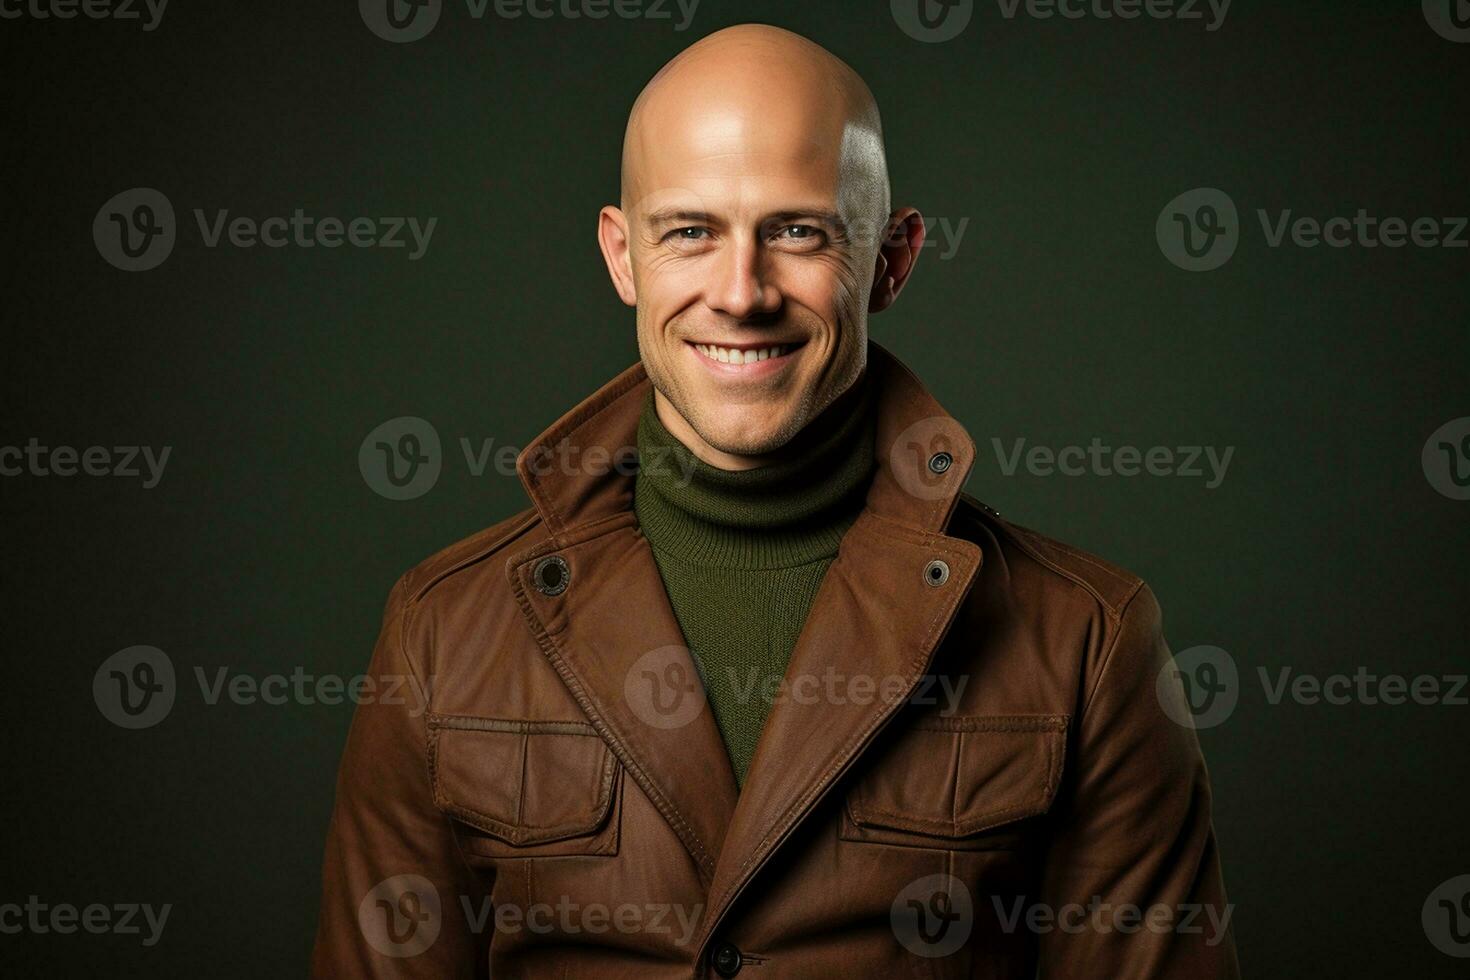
{"type": "Point", "coordinates": [969, 774]}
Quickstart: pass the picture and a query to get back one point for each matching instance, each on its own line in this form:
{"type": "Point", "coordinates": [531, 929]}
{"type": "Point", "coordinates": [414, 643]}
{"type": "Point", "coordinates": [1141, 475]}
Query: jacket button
{"type": "Point", "coordinates": [940, 462]}
{"type": "Point", "coordinates": [551, 575]}
{"type": "Point", "coordinates": [936, 573]}
{"type": "Point", "coordinates": [727, 960]}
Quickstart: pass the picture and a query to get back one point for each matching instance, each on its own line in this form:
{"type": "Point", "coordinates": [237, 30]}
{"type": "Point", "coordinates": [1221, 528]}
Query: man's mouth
{"type": "Point", "coordinates": [745, 353]}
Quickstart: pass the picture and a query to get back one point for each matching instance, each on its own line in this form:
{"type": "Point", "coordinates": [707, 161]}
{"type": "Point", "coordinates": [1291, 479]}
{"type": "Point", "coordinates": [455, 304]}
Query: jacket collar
{"type": "Point", "coordinates": [579, 470]}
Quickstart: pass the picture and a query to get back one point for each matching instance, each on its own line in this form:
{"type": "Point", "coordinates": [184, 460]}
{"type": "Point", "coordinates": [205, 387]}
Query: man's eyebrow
{"type": "Point", "coordinates": [682, 216]}
{"type": "Point", "coordinates": [830, 218]}
{"type": "Point", "coordinates": [668, 215]}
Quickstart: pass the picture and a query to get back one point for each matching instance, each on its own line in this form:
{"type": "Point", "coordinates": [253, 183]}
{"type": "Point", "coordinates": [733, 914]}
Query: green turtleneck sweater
{"type": "Point", "coordinates": [742, 553]}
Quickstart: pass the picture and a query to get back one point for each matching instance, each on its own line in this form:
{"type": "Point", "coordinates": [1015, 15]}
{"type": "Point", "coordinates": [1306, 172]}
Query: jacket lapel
{"type": "Point", "coordinates": [868, 640]}
{"type": "Point", "coordinates": [613, 638]}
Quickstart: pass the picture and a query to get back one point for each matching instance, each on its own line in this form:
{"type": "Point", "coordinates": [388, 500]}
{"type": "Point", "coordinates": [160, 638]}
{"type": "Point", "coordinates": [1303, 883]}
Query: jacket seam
{"type": "Point", "coordinates": [1021, 538]}
{"type": "Point", "coordinates": [516, 530]}
{"type": "Point", "coordinates": [1109, 650]}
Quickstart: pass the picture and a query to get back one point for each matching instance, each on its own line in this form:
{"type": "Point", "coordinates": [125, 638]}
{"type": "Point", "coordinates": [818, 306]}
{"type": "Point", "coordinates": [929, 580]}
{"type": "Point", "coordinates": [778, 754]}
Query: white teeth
{"type": "Point", "coordinates": [728, 355]}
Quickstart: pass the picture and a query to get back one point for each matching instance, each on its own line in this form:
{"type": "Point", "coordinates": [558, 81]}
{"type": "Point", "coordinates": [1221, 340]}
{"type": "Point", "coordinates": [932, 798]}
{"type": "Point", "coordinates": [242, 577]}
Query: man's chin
{"type": "Point", "coordinates": [746, 437]}
{"type": "Point", "coordinates": [746, 445]}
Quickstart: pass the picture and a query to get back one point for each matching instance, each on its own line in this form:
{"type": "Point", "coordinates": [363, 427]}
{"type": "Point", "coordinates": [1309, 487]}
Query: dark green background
{"type": "Point", "coordinates": [1058, 320]}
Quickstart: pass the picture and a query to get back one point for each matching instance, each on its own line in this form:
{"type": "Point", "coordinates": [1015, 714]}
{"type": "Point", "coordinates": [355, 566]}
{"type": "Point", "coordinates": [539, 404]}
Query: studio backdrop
{"type": "Point", "coordinates": [1195, 281]}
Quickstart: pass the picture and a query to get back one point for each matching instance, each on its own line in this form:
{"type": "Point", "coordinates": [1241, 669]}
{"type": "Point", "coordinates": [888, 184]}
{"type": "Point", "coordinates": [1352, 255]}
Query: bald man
{"type": "Point", "coordinates": [757, 689]}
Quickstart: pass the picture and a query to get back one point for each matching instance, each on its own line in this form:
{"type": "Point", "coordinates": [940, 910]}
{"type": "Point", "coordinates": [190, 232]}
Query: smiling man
{"type": "Point", "coordinates": [795, 706]}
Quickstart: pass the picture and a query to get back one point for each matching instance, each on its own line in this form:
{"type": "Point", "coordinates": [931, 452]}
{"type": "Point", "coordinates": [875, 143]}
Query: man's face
{"type": "Point", "coordinates": [752, 256]}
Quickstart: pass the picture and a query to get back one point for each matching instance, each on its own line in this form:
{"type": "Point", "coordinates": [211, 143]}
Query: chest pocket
{"type": "Point", "coordinates": [966, 783]}
{"type": "Point", "coordinates": [523, 789]}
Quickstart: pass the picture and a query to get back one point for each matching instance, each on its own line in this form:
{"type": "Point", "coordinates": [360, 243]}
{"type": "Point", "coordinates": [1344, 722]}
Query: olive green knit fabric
{"type": "Point", "coordinates": [742, 553]}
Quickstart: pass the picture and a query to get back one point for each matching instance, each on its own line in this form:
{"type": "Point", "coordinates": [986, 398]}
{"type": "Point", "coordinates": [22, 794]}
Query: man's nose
{"type": "Point", "coordinates": [743, 286]}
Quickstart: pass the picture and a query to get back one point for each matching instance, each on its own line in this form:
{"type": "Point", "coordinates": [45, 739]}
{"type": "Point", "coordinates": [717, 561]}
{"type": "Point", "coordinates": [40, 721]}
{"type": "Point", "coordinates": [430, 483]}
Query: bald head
{"type": "Point", "coordinates": [757, 96]}
{"type": "Point", "coordinates": [753, 238]}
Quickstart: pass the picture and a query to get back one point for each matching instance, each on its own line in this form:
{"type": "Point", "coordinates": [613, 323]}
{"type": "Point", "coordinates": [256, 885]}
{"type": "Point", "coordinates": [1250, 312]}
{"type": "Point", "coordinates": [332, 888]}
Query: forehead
{"type": "Point", "coordinates": [739, 152]}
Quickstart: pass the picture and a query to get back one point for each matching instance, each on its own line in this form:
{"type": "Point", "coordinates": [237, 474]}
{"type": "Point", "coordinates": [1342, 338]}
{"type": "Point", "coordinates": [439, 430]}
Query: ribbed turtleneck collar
{"type": "Point", "coordinates": [787, 513]}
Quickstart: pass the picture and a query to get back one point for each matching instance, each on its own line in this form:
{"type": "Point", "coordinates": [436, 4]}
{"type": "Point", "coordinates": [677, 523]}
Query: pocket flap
{"type": "Point", "coordinates": [524, 782]}
{"type": "Point", "coordinates": [954, 777]}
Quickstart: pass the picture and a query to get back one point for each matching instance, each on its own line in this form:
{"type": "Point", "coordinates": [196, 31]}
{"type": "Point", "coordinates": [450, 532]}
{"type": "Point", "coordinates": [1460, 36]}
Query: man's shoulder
{"type": "Point", "coordinates": [469, 560]}
{"type": "Point", "coordinates": [1045, 569]}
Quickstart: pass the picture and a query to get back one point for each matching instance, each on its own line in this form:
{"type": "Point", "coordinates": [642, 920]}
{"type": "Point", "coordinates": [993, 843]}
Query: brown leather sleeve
{"type": "Point", "coordinates": [393, 880]}
{"type": "Point", "coordinates": [1134, 831]}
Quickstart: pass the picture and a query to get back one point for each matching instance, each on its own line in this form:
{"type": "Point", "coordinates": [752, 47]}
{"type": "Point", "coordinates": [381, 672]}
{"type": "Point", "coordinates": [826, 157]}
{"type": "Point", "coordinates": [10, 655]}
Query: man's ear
{"type": "Point", "coordinates": [897, 253]}
{"type": "Point", "coordinates": [612, 238]}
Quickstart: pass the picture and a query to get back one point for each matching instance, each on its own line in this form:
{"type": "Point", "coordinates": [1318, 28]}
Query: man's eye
{"type": "Point", "coordinates": [689, 234]}
{"type": "Point", "coordinates": [806, 238]}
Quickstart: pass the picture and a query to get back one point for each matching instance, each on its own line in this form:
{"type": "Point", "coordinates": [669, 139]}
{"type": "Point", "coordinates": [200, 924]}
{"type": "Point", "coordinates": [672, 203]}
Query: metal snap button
{"type": "Point", "coordinates": [727, 960]}
{"type": "Point", "coordinates": [940, 462]}
{"type": "Point", "coordinates": [551, 575]}
{"type": "Point", "coordinates": [936, 573]}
